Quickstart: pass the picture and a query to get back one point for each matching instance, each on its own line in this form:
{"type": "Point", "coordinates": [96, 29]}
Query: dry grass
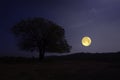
{"type": "Point", "coordinates": [62, 70]}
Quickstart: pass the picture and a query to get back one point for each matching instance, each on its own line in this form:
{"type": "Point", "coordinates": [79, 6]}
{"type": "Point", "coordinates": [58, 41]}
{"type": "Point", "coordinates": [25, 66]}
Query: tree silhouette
{"type": "Point", "coordinates": [41, 35]}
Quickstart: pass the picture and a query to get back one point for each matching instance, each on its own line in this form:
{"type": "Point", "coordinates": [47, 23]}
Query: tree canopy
{"type": "Point", "coordinates": [41, 35]}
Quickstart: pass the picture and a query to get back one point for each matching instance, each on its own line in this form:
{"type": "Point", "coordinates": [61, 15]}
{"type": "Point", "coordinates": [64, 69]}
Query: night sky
{"type": "Point", "coordinates": [99, 19]}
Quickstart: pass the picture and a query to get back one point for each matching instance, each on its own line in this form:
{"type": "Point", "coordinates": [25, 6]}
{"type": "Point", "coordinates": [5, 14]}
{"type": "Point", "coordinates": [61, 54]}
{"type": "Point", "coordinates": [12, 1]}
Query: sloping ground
{"type": "Point", "coordinates": [61, 70]}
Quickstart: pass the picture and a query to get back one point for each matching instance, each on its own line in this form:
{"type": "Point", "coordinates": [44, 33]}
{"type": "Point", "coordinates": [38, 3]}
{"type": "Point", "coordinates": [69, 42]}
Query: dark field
{"type": "Point", "coordinates": [73, 67]}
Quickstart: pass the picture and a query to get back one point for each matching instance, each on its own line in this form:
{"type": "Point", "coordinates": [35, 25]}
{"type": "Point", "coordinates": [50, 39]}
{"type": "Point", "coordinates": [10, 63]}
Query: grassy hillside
{"type": "Point", "coordinates": [72, 67]}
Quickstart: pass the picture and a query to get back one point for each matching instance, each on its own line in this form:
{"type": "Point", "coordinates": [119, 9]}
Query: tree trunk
{"type": "Point", "coordinates": [41, 51]}
{"type": "Point", "coordinates": [41, 54]}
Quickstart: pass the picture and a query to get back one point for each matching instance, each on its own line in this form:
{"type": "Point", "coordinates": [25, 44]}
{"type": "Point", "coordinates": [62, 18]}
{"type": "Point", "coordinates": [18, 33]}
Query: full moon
{"type": "Point", "coordinates": [86, 41]}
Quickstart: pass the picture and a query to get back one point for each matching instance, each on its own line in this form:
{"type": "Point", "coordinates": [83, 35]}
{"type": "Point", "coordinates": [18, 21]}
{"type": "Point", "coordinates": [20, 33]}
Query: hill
{"type": "Point", "coordinates": [79, 66]}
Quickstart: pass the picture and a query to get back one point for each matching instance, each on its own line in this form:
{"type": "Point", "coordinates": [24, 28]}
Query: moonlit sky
{"type": "Point", "coordinates": [99, 19]}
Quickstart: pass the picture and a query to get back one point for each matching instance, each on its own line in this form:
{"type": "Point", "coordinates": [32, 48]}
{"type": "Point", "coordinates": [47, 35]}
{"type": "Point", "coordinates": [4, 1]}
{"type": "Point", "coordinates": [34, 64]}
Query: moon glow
{"type": "Point", "coordinates": [86, 41]}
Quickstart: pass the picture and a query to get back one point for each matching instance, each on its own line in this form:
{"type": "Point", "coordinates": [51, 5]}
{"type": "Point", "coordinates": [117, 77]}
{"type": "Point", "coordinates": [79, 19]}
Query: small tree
{"type": "Point", "coordinates": [41, 35]}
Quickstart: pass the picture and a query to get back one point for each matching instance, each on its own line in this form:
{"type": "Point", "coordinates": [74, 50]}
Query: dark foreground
{"type": "Point", "coordinates": [63, 68]}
